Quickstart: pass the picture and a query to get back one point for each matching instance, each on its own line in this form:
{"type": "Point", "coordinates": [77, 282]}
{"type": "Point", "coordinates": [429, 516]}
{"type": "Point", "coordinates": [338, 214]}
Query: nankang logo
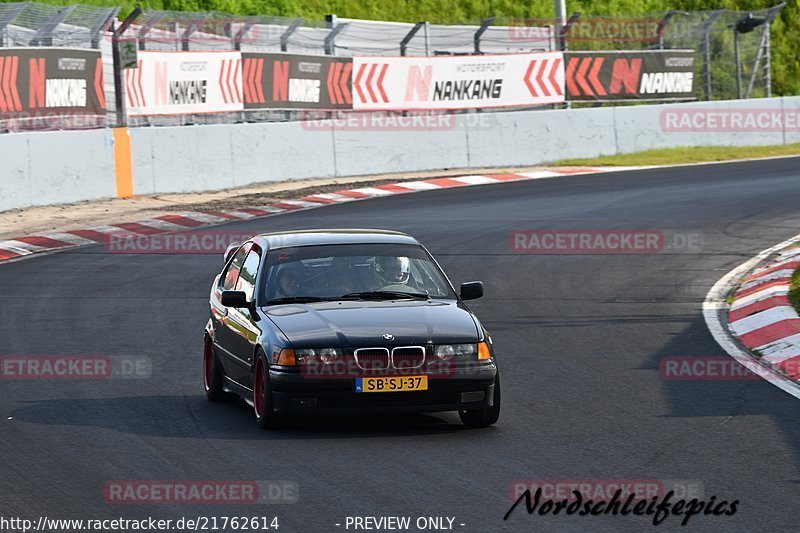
{"type": "Point", "coordinates": [187, 92]}
{"type": "Point", "coordinates": [65, 93]}
{"type": "Point", "coordinates": [667, 82]}
{"type": "Point", "coordinates": [467, 89]}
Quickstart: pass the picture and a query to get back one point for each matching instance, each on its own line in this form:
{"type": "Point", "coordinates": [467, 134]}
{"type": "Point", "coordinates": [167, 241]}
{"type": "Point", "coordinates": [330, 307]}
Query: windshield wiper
{"type": "Point", "coordinates": [384, 295]}
{"type": "Point", "coordinates": [297, 300]}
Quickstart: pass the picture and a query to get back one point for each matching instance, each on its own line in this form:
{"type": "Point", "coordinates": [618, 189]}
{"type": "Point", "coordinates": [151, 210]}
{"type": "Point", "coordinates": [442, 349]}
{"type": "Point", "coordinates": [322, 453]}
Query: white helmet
{"type": "Point", "coordinates": [393, 270]}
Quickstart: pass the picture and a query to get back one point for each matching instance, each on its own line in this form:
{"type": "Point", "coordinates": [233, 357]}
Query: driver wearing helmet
{"type": "Point", "coordinates": [394, 272]}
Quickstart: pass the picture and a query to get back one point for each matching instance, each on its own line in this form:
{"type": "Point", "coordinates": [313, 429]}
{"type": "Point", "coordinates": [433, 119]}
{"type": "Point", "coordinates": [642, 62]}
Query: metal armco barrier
{"type": "Point", "coordinates": [43, 83]}
{"type": "Point", "coordinates": [288, 81]}
{"type": "Point", "coordinates": [625, 76]}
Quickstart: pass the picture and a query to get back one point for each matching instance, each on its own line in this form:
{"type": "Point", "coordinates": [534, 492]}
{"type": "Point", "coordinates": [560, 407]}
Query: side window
{"type": "Point", "coordinates": [249, 271]}
{"type": "Point", "coordinates": [232, 273]}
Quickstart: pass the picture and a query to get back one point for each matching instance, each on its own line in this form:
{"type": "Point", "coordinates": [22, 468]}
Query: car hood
{"type": "Point", "coordinates": [364, 323]}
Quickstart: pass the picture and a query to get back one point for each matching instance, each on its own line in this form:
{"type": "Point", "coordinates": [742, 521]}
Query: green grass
{"type": "Point", "coordinates": [794, 290]}
{"type": "Point", "coordinates": [677, 156]}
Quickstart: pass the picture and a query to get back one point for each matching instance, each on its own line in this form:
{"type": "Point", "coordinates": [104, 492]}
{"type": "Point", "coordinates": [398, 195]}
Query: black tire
{"type": "Point", "coordinates": [263, 406]}
{"type": "Point", "coordinates": [485, 416]}
{"type": "Point", "coordinates": [212, 373]}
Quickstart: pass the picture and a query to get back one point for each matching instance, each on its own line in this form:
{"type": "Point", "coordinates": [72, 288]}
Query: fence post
{"type": "Point", "coordinates": [296, 23]}
{"type": "Point", "coordinates": [410, 35]}
{"type": "Point", "coordinates": [706, 53]}
{"type": "Point", "coordinates": [477, 38]}
{"type": "Point", "coordinates": [119, 99]}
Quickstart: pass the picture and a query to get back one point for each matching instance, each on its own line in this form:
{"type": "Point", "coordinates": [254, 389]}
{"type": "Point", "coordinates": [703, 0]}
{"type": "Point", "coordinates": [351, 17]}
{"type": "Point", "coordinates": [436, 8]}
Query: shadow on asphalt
{"type": "Point", "coordinates": [192, 417]}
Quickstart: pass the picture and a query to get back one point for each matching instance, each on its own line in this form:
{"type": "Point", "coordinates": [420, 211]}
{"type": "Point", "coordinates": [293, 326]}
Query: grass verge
{"type": "Point", "coordinates": [794, 290]}
{"type": "Point", "coordinates": [677, 156]}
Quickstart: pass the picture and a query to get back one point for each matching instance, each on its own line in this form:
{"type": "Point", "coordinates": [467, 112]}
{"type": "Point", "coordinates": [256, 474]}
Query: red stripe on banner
{"type": "Point", "coordinates": [527, 78]}
{"type": "Point", "coordinates": [3, 106]}
{"type": "Point", "coordinates": [757, 288]}
{"type": "Point", "coordinates": [380, 83]}
{"type": "Point", "coordinates": [221, 81]}
{"type": "Point", "coordinates": [540, 77]}
{"type": "Point", "coordinates": [553, 75]}
{"type": "Point", "coordinates": [344, 86]}
{"type": "Point", "coordinates": [246, 81]}
{"type": "Point", "coordinates": [594, 80]}
{"type": "Point", "coordinates": [761, 305]}
{"type": "Point", "coordinates": [570, 76]}
{"type": "Point", "coordinates": [581, 76]}
{"type": "Point", "coordinates": [237, 91]}
{"type": "Point", "coordinates": [98, 83]}
{"type": "Point", "coordinates": [14, 95]}
{"type": "Point", "coordinates": [142, 100]}
{"type": "Point", "coordinates": [258, 78]}
{"type": "Point", "coordinates": [135, 227]}
{"type": "Point", "coordinates": [792, 265]}
{"type": "Point", "coordinates": [181, 220]}
{"type": "Point", "coordinates": [44, 242]}
{"type": "Point", "coordinates": [337, 71]}
{"type": "Point", "coordinates": [358, 83]}
{"type": "Point", "coordinates": [773, 332]}
{"type": "Point", "coordinates": [369, 83]}
{"type": "Point", "coordinates": [329, 83]}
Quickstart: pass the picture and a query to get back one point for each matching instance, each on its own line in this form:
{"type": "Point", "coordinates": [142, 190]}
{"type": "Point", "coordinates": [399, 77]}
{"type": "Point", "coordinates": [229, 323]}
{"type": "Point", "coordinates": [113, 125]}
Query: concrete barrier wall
{"type": "Point", "coordinates": [57, 167]}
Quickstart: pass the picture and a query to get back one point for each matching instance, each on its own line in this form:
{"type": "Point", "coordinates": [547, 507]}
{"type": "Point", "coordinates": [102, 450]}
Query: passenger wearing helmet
{"type": "Point", "coordinates": [288, 283]}
{"type": "Point", "coordinates": [393, 272]}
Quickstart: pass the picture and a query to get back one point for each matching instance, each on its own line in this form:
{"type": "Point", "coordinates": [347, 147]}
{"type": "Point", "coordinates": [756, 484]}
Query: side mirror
{"type": "Point", "coordinates": [237, 299]}
{"type": "Point", "coordinates": [471, 290]}
{"type": "Point", "coordinates": [230, 250]}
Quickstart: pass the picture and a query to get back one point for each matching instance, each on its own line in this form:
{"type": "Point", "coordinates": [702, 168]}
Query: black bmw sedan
{"type": "Point", "coordinates": [337, 321]}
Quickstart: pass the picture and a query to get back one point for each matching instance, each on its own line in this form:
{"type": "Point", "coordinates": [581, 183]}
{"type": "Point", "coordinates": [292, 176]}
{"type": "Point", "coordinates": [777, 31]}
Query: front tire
{"type": "Point", "coordinates": [266, 417]}
{"type": "Point", "coordinates": [485, 416]}
{"type": "Point", "coordinates": [212, 373]}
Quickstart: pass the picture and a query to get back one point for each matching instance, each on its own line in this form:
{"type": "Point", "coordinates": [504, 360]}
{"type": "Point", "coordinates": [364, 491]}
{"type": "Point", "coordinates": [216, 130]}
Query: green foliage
{"type": "Point", "coordinates": [785, 30]}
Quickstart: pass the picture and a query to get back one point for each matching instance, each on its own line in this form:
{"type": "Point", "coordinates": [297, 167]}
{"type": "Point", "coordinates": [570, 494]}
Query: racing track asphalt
{"type": "Point", "coordinates": [579, 339]}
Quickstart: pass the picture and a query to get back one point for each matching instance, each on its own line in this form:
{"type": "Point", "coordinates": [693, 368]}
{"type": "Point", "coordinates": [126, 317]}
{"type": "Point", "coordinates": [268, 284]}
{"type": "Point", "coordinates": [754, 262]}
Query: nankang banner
{"type": "Point", "coordinates": [169, 83]}
{"type": "Point", "coordinates": [288, 81]}
{"type": "Point", "coordinates": [457, 82]}
{"type": "Point", "coordinates": [42, 82]}
{"type": "Point", "coordinates": [618, 76]}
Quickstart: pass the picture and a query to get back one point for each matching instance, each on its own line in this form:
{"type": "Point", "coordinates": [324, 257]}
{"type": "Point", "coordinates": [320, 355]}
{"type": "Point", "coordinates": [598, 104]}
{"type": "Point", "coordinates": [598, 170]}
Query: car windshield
{"type": "Point", "coordinates": [352, 271]}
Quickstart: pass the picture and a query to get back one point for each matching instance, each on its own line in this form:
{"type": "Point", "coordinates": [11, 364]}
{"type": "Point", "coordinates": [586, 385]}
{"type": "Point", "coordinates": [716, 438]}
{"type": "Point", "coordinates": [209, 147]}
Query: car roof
{"type": "Point", "coordinates": [316, 237]}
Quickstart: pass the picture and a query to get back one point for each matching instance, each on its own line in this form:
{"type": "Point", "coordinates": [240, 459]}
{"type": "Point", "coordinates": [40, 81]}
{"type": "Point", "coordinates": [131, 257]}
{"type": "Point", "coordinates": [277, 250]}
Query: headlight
{"type": "Point", "coordinates": [325, 356]}
{"type": "Point", "coordinates": [446, 352]}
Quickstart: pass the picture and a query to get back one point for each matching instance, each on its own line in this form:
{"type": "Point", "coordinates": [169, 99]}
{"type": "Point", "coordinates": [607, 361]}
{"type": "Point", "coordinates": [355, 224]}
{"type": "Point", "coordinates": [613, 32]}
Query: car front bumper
{"type": "Point", "coordinates": [294, 393]}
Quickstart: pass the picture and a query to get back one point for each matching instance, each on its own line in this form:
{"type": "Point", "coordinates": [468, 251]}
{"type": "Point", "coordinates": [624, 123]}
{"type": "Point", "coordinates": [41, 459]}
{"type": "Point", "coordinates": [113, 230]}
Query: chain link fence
{"type": "Point", "coordinates": [733, 47]}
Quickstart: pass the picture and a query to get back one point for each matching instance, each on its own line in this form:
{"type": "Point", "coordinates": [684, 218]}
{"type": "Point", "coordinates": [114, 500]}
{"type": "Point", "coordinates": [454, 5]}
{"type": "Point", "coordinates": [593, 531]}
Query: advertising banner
{"type": "Point", "coordinates": [616, 76]}
{"type": "Point", "coordinates": [457, 82]}
{"type": "Point", "coordinates": [43, 82]}
{"type": "Point", "coordinates": [288, 81]}
{"type": "Point", "coordinates": [169, 83]}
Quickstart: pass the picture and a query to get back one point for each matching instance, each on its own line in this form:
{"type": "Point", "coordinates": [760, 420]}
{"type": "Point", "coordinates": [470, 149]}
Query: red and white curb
{"type": "Point", "coordinates": [760, 315]}
{"type": "Point", "coordinates": [178, 221]}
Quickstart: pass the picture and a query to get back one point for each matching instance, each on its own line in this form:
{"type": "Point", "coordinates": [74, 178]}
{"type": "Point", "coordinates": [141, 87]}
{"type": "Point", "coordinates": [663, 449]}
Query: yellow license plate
{"type": "Point", "coordinates": [392, 384]}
